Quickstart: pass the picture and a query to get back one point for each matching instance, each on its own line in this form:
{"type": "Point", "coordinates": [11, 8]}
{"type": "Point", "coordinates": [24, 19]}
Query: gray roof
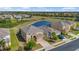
{"type": "Point", "coordinates": [3, 32]}
{"type": "Point", "coordinates": [46, 28]}
{"type": "Point", "coordinates": [69, 22]}
{"type": "Point", "coordinates": [63, 23]}
{"type": "Point", "coordinates": [31, 29]}
{"type": "Point", "coordinates": [60, 23]}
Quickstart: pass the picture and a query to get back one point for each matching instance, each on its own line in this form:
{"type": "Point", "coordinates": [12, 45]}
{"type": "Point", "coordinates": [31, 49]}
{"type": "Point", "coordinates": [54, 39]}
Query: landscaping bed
{"type": "Point", "coordinates": [75, 32]}
{"type": "Point", "coordinates": [68, 36]}
{"type": "Point", "coordinates": [38, 46]}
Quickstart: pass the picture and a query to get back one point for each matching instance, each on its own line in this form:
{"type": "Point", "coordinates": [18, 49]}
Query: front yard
{"type": "Point", "coordinates": [38, 46]}
{"type": "Point", "coordinates": [76, 32]}
{"type": "Point", "coordinates": [14, 40]}
{"type": "Point", "coordinates": [68, 36]}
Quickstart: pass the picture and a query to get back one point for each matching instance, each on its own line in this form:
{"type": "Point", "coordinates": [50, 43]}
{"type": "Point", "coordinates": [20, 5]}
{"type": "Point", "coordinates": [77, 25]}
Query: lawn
{"type": "Point", "coordinates": [38, 46]}
{"type": "Point", "coordinates": [77, 23]}
{"type": "Point", "coordinates": [73, 38]}
{"type": "Point", "coordinates": [68, 36]}
{"type": "Point", "coordinates": [11, 23]}
{"type": "Point", "coordinates": [14, 40]}
{"type": "Point", "coordinates": [75, 32]}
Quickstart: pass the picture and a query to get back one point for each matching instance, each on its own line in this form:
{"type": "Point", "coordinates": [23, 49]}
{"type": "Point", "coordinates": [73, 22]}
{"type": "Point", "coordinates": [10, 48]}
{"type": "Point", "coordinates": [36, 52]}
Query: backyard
{"type": "Point", "coordinates": [9, 23]}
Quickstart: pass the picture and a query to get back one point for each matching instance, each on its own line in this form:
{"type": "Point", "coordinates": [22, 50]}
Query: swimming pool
{"type": "Point", "coordinates": [42, 23]}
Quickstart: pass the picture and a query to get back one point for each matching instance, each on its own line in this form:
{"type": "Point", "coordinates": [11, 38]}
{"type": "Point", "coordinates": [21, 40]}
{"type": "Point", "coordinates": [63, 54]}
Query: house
{"type": "Point", "coordinates": [21, 16]}
{"type": "Point", "coordinates": [38, 29]}
{"type": "Point", "coordinates": [64, 26]}
{"type": "Point", "coordinates": [77, 28]}
{"type": "Point", "coordinates": [27, 16]}
{"type": "Point", "coordinates": [18, 17]}
{"type": "Point", "coordinates": [1, 17]}
{"type": "Point", "coordinates": [31, 31]}
{"type": "Point", "coordinates": [71, 23]}
{"type": "Point", "coordinates": [5, 35]}
{"type": "Point", "coordinates": [7, 16]}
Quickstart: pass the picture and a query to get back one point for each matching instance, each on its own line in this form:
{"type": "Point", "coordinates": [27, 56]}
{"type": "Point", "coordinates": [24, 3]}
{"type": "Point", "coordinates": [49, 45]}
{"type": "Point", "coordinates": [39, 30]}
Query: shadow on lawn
{"type": "Point", "coordinates": [20, 38]}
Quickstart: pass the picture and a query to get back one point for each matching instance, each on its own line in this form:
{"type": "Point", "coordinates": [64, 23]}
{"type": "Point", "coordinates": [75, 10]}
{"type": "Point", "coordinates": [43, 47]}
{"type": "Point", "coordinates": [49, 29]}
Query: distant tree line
{"type": "Point", "coordinates": [55, 14]}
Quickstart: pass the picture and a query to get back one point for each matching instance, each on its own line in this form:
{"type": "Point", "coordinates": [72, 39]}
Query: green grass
{"type": "Point", "coordinates": [14, 40]}
{"type": "Point", "coordinates": [38, 46]}
{"type": "Point", "coordinates": [75, 32]}
{"type": "Point", "coordinates": [11, 23]}
{"type": "Point", "coordinates": [48, 40]}
{"type": "Point", "coordinates": [68, 36]}
{"type": "Point", "coordinates": [77, 24]}
{"type": "Point", "coordinates": [73, 38]}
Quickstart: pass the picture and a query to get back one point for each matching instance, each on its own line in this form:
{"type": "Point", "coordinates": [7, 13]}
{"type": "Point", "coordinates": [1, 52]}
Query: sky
{"type": "Point", "coordinates": [41, 9]}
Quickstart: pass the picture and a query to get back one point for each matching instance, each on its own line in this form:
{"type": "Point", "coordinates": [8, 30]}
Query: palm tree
{"type": "Point", "coordinates": [30, 44]}
{"type": "Point", "coordinates": [54, 36]}
{"type": "Point", "coordinates": [2, 44]}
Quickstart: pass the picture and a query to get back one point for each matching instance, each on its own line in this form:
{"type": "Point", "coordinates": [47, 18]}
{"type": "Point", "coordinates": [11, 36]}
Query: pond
{"type": "Point", "coordinates": [42, 23]}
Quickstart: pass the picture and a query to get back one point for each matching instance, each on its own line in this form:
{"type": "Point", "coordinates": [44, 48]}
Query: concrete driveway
{"type": "Point", "coordinates": [44, 43]}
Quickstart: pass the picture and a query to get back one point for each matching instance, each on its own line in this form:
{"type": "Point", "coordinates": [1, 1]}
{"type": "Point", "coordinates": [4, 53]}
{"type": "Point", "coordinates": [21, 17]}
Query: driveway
{"type": "Point", "coordinates": [44, 43]}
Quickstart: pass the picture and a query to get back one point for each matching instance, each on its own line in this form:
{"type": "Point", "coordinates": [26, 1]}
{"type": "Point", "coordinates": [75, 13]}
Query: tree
{"type": "Point", "coordinates": [30, 44]}
{"type": "Point", "coordinates": [2, 44]}
{"type": "Point", "coordinates": [54, 36]}
{"type": "Point", "coordinates": [63, 33]}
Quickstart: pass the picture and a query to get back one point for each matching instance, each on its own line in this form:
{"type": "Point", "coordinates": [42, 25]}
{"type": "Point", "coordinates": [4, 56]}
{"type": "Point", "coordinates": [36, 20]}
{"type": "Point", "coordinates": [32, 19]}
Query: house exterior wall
{"type": "Point", "coordinates": [67, 28]}
{"type": "Point", "coordinates": [28, 36]}
{"type": "Point", "coordinates": [73, 26]}
{"type": "Point", "coordinates": [37, 35]}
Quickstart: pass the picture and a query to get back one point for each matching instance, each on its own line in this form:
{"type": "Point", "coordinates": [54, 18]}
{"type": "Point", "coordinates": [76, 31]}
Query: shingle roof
{"type": "Point", "coordinates": [3, 32]}
{"type": "Point", "coordinates": [31, 29]}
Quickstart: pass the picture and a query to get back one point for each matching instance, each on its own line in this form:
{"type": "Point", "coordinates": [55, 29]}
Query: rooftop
{"type": "Point", "coordinates": [31, 29]}
{"type": "Point", "coordinates": [3, 32]}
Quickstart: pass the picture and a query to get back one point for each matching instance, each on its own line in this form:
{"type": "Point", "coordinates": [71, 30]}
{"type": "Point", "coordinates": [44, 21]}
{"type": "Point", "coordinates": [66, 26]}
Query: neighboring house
{"type": "Point", "coordinates": [5, 35]}
{"type": "Point", "coordinates": [64, 26]}
{"type": "Point", "coordinates": [18, 17]}
{"type": "Point", "coordinates": [1, 17]}
{"type": "Point", "coordinates": [77, 28]}
{"type": "Point", "coordinates": [7, 16]}
{"type": "Point", "coordinates": [71, 24]}
{"type": "Point", "coordinates": [26, 16]}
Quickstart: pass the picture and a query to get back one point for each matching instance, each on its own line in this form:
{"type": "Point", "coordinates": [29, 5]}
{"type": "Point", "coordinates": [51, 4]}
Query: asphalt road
{"type": "Point", "coordinates": [71, 46]}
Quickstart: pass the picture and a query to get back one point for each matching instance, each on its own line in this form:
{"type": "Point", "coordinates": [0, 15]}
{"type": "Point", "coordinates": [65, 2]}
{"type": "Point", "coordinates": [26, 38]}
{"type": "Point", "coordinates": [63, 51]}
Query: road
{"type": "Point", "coordinates": [71, 46]}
